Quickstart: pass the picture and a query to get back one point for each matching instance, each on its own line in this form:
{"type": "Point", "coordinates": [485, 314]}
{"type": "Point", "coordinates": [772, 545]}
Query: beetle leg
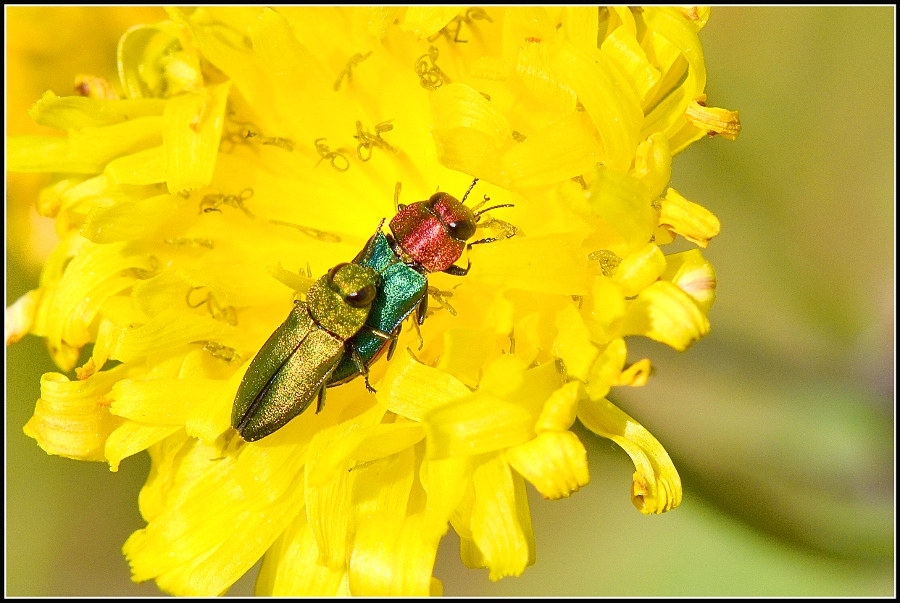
{"type": "Point", "coordinates": [362, 368]}
{"type": "Point", "coordinates": [321, 403]}
{"type": "Point", "coordinates": [457, 271]}
{"type": "Point", "coordinates": [419, 335]}
{"type": "Point", "coordinates": [422, 309]}
{"type": "Point", "coordinates": [480, 241]}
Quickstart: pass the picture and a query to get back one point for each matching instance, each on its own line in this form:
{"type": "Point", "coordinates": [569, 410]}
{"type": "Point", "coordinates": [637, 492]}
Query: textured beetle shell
{"type": "Point", "coordinates": [424, 238]}
{"type": "Point", "coordinates": [285, 375]}
{"type": "Point", "coordinates": [400, 290]}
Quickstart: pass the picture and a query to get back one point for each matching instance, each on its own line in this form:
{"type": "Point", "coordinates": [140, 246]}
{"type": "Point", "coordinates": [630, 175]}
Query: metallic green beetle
{"type": "Point", "coordinates": [294, 365]}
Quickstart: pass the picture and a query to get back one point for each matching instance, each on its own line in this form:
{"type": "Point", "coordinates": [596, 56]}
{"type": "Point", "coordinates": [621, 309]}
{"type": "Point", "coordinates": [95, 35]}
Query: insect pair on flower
{"type": "Point", "coordinates": [354, 313]}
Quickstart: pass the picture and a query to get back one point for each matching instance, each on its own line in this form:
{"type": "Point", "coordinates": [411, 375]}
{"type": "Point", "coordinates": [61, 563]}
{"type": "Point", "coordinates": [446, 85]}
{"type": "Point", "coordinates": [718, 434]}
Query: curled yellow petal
{"type": "Point", "coordinates": [555, 462]}
{"type": "Point", "coordinates": [695, 223]}
{"type": "Point", "coordinates": [667, 314]}
{"type": "Point", "coordinates": [72, 418]}
{"type": "Point", "coordinates": [723, 122]}
{"type": "Point", "coordinates": [657, 486]}
{"type": "Point", "coordinates": [637, 374]}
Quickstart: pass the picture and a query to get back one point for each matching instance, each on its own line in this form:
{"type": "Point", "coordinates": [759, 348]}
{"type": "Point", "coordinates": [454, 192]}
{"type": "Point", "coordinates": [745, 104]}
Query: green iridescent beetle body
{"type": "Point", "coordinates": [294, 364]}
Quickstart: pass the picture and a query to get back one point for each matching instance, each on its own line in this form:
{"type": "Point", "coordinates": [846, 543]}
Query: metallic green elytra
{"type": "Point", "coordinates": [401, 290]}
{"type": "Point", "coordinates": [294, 365]}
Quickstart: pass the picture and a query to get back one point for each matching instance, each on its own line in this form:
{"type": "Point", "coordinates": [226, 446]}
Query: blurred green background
{"type": "Point", "coordinates": [780, 422]}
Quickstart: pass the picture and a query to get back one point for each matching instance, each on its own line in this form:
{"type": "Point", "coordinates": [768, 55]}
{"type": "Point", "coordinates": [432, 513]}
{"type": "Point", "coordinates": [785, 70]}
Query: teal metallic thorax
{"type": "Point", "coordinates": [399, 291]}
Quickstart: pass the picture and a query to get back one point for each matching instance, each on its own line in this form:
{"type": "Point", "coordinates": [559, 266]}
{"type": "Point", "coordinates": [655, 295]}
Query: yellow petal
{"type": "Point", "coordinates": [558, 413]}
{"type": "Point", "coordinates": [502, 413]}
{"type": "Point", "coordinates": [330, 506]}
{"type": "Point", "coordinates": [72, 418]}
{"type": "Point", "coordinates": [656, 487]}
{"type": "Point", "coordinates": [608, 308]}
{"type": "Point", "coordinates": [86, 150]}
{"type": "Point", "coordinates": [131, 438]}
{"type": "Point", "coordinates": [364, 445]}
{"type": "Point", "coordinates": [290, 569]}
{"type": "Point", "coordinates": [605, 371]}
{"type": "Point", "coordinates": [637, 374]}
{"type": "Point", "coordinates": [501, 521]}
{"type": "Point", "coordinates": [411, 388]}
{"type": "Point", "coordinates": [167, 331]}
{"type": "Point", "coordinates": [143, 167]}
{"type": "Point", "coordinates": [212, 533]}
{"type": "Point", "coordinates": [19, 316]}
{"type": "Point", "coordinates": [624, 205]}
{"type": "Point", "coordinates": [607, 98]}
{"type": "Point", "coordinates": [424, 22]}
{"type": "Point", "coordinates": [693, 222]}
{"type": "Point", "coordinates": [714, 120]}
{"type": "Point", "coordinates": [564, 149]}
{"type": "Point", "coordinates": [653, 164]}
{"type": "Point", "coordinates": [622, 47]}
{"type": "Point", "coordinates": [573, 344]}
{"type": "Point", "coordinates": [392, 556]}
{"type": "Point", "coordinates": [191, 133]}
{"type": "Point", "coordinates": [129, 220]}
{"type": "Point", "coordinates": [68, 112]}
{"type": "Point", "coordinates": [469, 131]}
{"type": "Point", "coordinates": [555, 462]}
{"type": "Point", "coordinates": [545, 263]}
{"type": "Point", "coordinates": [445, 482]}
{"type": "Point", "coordinates": [693, 275]}
{"type": "Point", "coordinates": [639, 269]}
{"type": "Point", "coordinates": [667, 314]}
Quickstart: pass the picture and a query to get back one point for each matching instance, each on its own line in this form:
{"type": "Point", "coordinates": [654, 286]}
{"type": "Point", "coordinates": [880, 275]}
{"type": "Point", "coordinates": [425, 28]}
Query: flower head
{"type": "Point", "coordinates": [245, 150]}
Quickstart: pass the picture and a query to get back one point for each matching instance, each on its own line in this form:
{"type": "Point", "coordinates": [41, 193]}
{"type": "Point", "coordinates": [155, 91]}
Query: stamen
{"type": "Point", "coordinates": [212, 202]}
{"type": "Point", "coordinates": [609, 261]}
{"type": "Point", "coordinates": [322, 235]}
{"type": "Point", "coordinates": [348, 70]}
{"type": "Point", "coordinates": [325, 153]}
{"type": "Point", "coordinates": [430, 77]}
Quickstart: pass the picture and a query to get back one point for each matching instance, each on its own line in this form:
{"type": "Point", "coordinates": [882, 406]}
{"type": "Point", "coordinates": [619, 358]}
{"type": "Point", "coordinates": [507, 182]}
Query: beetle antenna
{"type": "Point", "coordinates": [478, 213]}
{"type": "Point", "coordinates": [471, 186]}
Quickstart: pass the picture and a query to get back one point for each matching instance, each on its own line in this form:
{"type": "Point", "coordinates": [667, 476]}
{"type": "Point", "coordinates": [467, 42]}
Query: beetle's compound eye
{"type": "Point", "coordinates": [462, 230]}
{"type": "Point", "coordinates": [362, 298]}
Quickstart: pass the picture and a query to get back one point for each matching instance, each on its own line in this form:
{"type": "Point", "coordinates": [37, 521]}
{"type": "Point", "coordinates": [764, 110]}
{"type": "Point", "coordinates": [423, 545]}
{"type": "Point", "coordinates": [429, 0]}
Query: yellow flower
{"type": "Point", "coordinates": [246, 146]}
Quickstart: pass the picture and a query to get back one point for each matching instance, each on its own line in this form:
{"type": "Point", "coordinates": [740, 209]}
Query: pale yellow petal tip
{"type": "Point", "coordinates": [694, 222]}
{"type": "Point", "coordinates": [656, 499]}
{"type": "Point", "coordinates": [554, 462]}
{"type": "Point", "coordinates": [19, 317]}
{"type": "Point", "coordinates": [714, 120]}
{"type": "Point", "coordinates": [656, 487]}
{"type": "Point", "coordinates": [637, 374]}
